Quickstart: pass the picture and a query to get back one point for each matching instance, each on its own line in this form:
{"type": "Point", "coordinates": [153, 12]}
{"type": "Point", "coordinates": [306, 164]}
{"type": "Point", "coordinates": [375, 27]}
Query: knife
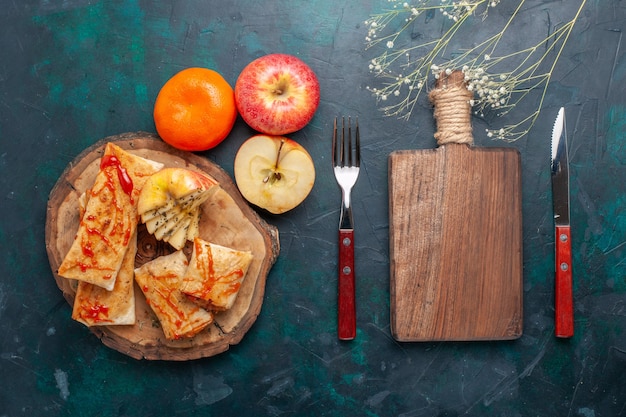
{"type": "Point", "coordinates": [563, 291]}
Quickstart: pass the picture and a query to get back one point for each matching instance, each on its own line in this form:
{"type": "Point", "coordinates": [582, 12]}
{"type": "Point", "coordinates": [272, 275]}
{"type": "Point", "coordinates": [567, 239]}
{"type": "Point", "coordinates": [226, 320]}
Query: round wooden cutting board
{"type": "Point", "coordinates": [226, 220]}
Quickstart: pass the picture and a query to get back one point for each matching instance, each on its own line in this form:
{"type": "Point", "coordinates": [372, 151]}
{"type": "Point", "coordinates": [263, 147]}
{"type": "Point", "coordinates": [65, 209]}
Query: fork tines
{"type": "Point", "coordinates": [343, 156]}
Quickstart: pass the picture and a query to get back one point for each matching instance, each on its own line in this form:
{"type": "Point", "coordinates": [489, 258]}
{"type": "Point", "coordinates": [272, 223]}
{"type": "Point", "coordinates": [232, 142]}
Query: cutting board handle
{"type": "Point", "coordinates": [452, 108]}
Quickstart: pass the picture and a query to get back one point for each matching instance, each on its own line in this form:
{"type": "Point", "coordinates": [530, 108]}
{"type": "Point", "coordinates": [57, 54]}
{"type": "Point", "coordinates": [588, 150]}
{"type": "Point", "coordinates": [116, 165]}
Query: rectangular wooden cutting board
{"type": "Point", "coordinates": [455, 244]}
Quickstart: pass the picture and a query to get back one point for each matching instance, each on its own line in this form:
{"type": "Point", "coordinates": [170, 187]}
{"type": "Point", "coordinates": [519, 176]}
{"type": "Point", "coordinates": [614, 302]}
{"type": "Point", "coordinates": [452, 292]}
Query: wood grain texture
{"type": "Point", "coordinates": [455, 244]}
{"type": "Point", "coordinates": [226, 220]}
{"type": "Point", "coordinates": [563, 289]}
{"type": "Point", "coordinates": [346, 299]}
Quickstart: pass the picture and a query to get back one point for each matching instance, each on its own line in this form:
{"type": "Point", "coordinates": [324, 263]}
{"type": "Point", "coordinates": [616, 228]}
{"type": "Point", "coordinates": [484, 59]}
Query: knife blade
{"type": "Point", "coordinates": [563, 289]}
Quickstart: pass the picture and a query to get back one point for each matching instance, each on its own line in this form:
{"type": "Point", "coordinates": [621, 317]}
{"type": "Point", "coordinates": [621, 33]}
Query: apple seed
{"type": "Point", "coordinates": [275, 175]}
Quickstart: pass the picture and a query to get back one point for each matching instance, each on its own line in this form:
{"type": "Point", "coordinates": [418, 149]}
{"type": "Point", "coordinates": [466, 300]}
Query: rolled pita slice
{"type": "Point", "coordinates": [160, 281]}
{"type": "Point", "coordinates": [215, 274]}
{"type": "Point", "coordinates": [110, 218]}
{"type": "Point", "coordinates": [95, 306]}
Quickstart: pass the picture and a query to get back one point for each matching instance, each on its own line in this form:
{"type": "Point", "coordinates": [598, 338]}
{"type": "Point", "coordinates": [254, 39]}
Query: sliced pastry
{"type": "Point", "coordinates": [110, 218]}
{"type": "Point", "coordinates": [160, 281]}
{"type": "Point", "coordinates": [215, 274]}
{"type": "Point", "coordinates": [95, 306]}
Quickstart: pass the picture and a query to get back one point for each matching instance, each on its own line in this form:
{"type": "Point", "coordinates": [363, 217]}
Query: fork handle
{"type": "Point", "coordinates": [346, 300]}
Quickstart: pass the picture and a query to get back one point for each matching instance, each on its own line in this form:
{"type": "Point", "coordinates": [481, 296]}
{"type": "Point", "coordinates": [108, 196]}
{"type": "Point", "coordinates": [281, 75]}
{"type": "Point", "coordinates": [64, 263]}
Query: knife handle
{"type": "Point", "coordinates": [563, 291]}
{"type": "Point", "coordinates": [346, 325]}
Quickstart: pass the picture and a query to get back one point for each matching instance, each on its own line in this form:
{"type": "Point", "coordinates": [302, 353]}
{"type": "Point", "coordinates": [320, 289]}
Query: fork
{"type": "Point", "coordinates": [346, 163]}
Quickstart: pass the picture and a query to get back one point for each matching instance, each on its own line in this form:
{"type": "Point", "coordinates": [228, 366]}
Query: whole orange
{"type": "Point", "coordinates": [195, 109]}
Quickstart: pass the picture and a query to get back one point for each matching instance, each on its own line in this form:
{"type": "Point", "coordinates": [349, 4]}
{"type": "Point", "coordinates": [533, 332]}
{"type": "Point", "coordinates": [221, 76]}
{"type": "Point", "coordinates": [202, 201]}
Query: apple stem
{"type": "Point", "coordinates": [280, 148]}
{"type": "Point", "coordinates": [280, 89]}
{"type": "Point", "coordinates": [275, 175]}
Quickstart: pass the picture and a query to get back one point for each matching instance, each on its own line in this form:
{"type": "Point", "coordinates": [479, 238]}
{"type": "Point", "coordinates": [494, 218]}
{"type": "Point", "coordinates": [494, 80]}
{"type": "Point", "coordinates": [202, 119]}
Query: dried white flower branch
{"type": "Point", "coordinates": [499, 82]}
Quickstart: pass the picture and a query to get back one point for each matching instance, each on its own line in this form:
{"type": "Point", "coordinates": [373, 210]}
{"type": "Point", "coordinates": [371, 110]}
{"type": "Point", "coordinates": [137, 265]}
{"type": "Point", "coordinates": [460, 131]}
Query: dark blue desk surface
{"type": "Point", "coordinates": [76, 71]}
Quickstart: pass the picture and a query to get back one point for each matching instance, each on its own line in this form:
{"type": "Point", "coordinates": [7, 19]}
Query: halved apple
{"type": "Point", "coordinates": [169, 204]}
{"type": "Point", "coordinates": [273, 172]}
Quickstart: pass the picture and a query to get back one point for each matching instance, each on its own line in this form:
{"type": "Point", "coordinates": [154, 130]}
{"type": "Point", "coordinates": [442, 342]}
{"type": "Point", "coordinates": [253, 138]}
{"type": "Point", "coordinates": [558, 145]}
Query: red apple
{"type": "Point", "coordinates": [277, 94]}
{"type": "Point", "coordinates": [169, 204]}
{"type": "Point", "coordinates": [274, 173]}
